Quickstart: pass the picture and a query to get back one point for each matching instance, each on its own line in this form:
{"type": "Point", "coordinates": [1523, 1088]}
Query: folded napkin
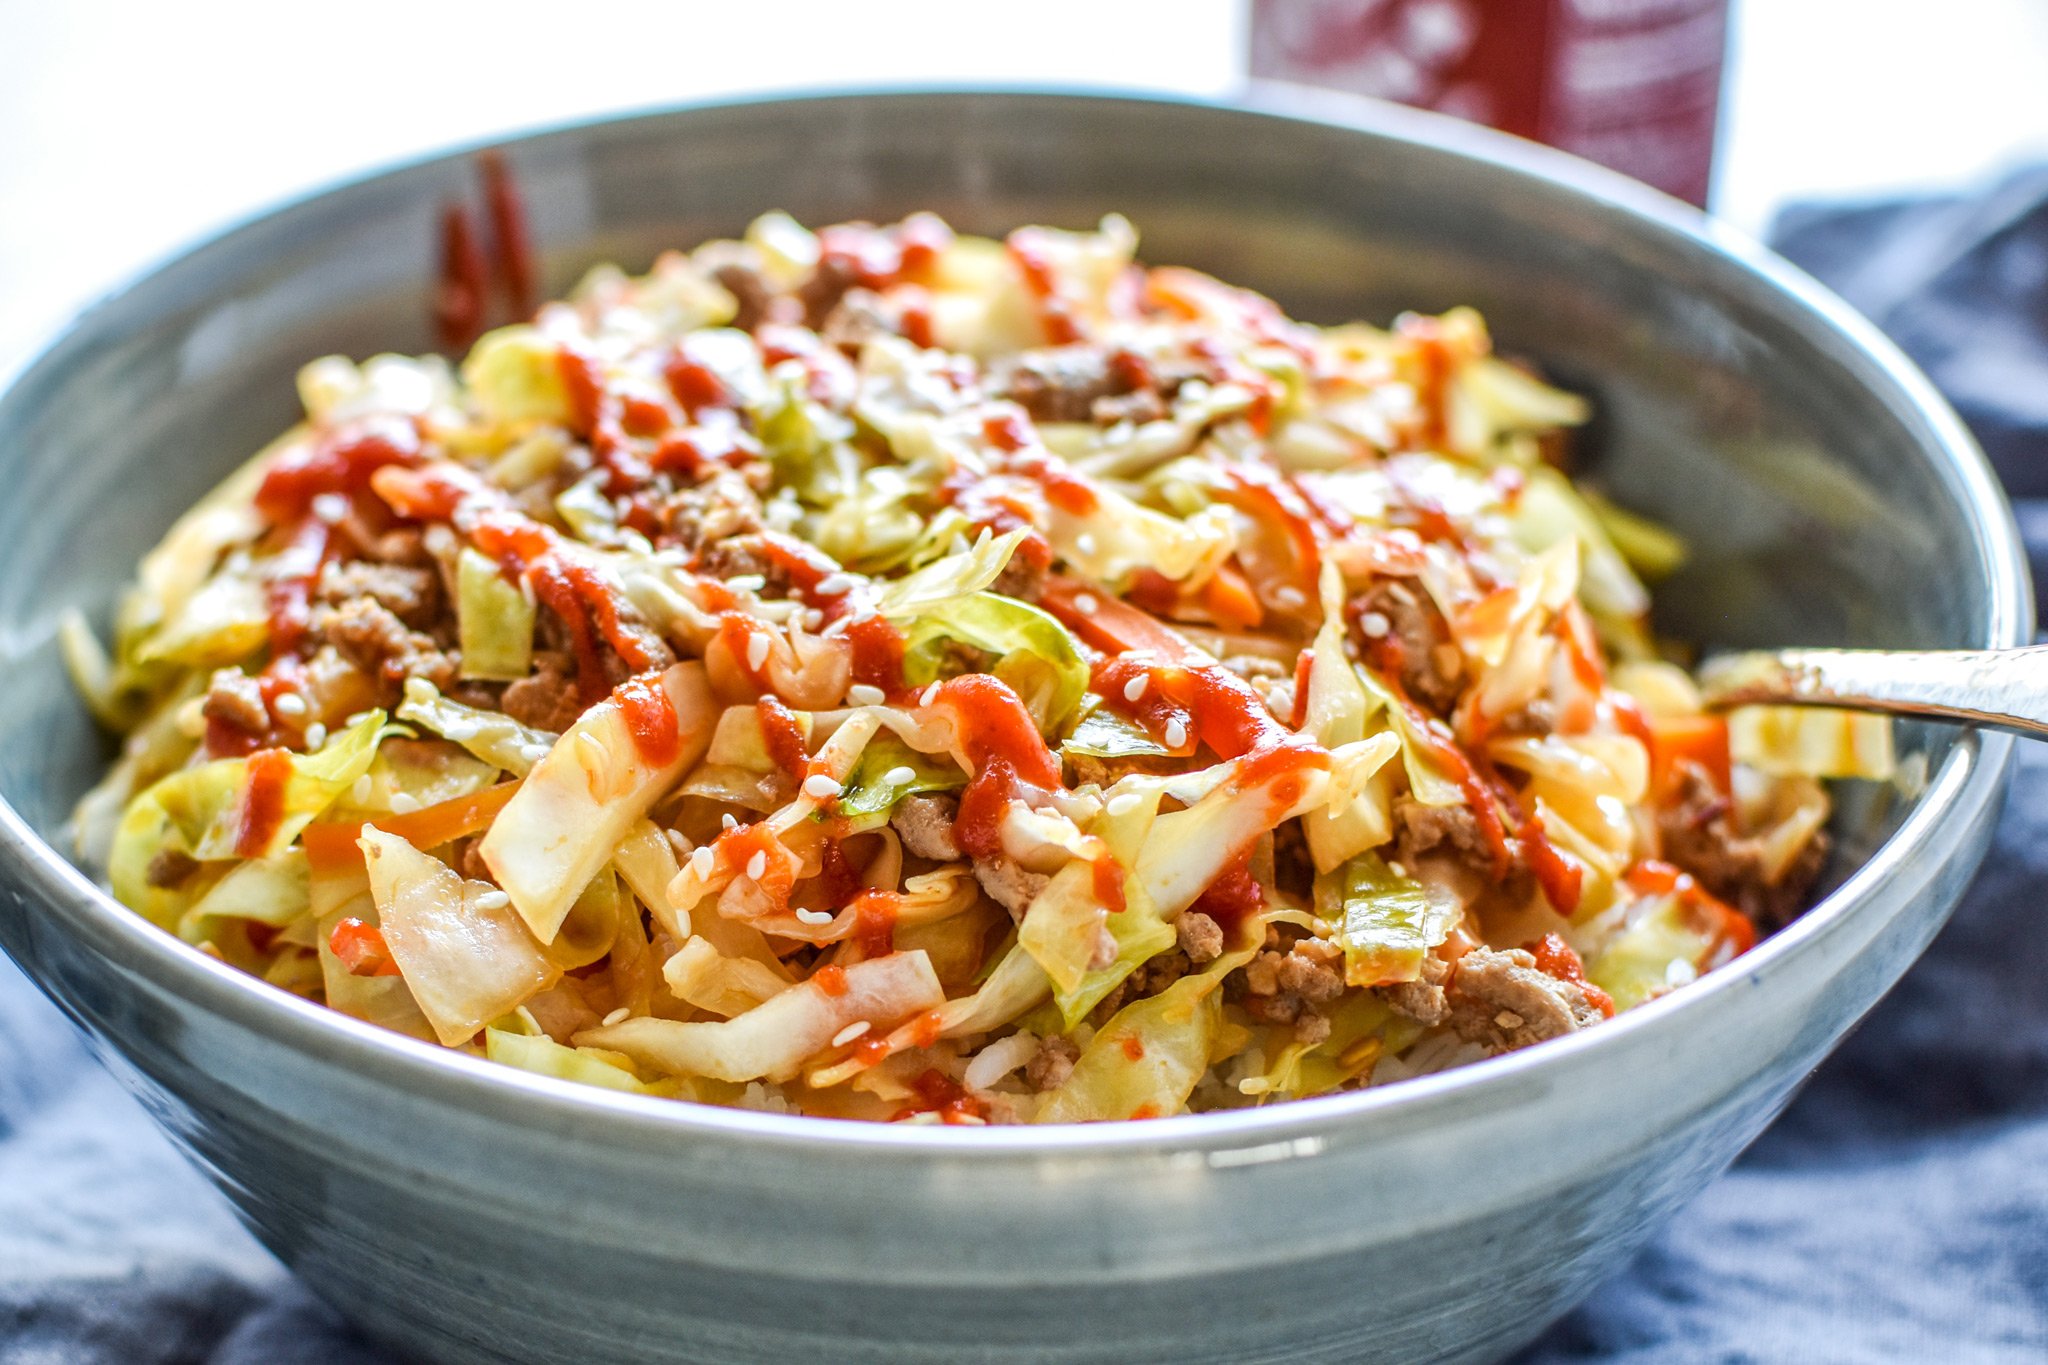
{"type": "Point", "coordinates": [1898, 1211]}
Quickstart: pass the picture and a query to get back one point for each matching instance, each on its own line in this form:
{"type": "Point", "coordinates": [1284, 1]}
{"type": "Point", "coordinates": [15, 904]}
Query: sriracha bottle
{"type": "Point", "coordinates": [1632, 84]}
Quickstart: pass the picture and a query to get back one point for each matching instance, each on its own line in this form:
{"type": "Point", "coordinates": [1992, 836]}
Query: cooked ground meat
{"type": "Point", "coordinates": [1282, 986]}
{"type": "Point", "coordinates": [828, 283]}
{"type": "Point", "coordinates": [234, 698]}
{"type": "Point", "coordinates": [413, 595]}
{"type": "Point", "coordinates": [1294, 868]}
{"type": "Point", "coordinates": [1420, 830]}
{"type": "Point", "coordinates": [1083, 769]}
{"type": "Point", "coordinates": [1200, 937]}
{"type": "Point", "coordinates": [1501, 999]}
{"type": "Point", "coordinates": [1424, 999]}
{"type": "Point", "coordinates": [738, 272]}
{"type": "Point", "coordinates": [405, 545]}
{"type": "Point", "coordinates": [1396, 625]}
{"type": "Point", "coordinates": [1023, 579]}
{"type": "Point", "coordinates": [169, 868]}
{"type": "Point", "coordinates": [1052, 1063]}
{"type": "Point", "coordinates": [741, 557]}
{"type": "Point", "coordinates": [925, 824]}
{"type": "Point", "coordinates": [1009, 885]}
{"type": "Point", "coordinates": [374, 640]}
{"type": "Point", "coordinates": [858, 316]}
{"type": "Point", "coordinates": [548, 700]}
{"type": "Point", "coordinates": [1138, 407]}
{"type": "Point", "coordinates": [1060, 383]}
{"type": "Point", "coordinates": [1699, 834]}
{"type": "Point", "coordinates": [720, 508]}
{"type": "Point", "coordinates": [1147, 979]}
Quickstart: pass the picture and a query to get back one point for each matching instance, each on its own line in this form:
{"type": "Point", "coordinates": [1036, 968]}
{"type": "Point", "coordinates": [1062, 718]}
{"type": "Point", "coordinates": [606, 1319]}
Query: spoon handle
{"type": "Point", "coordinates": [2006, 689]}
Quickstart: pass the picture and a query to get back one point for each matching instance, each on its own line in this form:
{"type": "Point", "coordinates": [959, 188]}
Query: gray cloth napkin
{"type": "Point", "coordinates": [1898, 1211]}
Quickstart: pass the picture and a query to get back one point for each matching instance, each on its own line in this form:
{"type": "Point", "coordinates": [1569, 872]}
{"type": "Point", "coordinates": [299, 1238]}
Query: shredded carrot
{"type": "Point", "coordinates": [331, 846]}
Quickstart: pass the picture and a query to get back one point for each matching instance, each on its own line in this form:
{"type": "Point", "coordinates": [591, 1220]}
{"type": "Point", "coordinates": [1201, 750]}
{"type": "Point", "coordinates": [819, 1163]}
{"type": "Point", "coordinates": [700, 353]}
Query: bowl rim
{"type": "Point", "coordinates": [1970, 780]}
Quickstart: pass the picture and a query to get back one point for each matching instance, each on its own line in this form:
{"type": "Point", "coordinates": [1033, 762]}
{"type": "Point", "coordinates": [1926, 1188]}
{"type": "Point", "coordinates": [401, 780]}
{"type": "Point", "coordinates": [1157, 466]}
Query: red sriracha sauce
{"type": "Point", "coordinates": [1555, 957]}
{"type": "Point", "coordinates": [1561, 876]}
{"type": "Point", "coordinates": [1003, 745]}
{"type": "Point", "coordinates": [507, 209]}
{"type": "Point", "coordinates": [651, 717]}
{"type": "Point", "coordinates": [874, 922]}
{"type": "Point", "coordinates": [783, 737]}
{"type": "Point", "coordinates": [339, 462]}
{"type": "Point", "coordinates": [270, 771]}
{"type": "Point", "coordinates": [1234, 896]}
{"type": "Point", "coordinates": [938, 1093]}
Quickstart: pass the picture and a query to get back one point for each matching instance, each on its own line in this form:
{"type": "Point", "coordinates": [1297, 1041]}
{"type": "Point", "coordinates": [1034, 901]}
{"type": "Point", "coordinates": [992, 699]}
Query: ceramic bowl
{"type": "Point", "coordinates": [464, 1212]}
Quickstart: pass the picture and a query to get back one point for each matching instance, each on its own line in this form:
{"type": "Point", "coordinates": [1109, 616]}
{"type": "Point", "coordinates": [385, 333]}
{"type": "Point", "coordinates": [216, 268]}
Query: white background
{"type": "Point", "coordinates": [128, 128]}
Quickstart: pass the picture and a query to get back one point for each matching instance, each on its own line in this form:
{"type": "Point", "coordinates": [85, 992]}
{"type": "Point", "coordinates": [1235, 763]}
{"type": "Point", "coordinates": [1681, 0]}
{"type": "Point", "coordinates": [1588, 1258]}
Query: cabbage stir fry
{"type": "Point", "coordinates": [894, 675]}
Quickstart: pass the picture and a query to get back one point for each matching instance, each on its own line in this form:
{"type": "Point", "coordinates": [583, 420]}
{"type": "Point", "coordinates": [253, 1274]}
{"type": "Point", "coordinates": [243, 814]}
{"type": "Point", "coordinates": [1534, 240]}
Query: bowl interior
{"type": "Point", "coordinates": [1801, 473]}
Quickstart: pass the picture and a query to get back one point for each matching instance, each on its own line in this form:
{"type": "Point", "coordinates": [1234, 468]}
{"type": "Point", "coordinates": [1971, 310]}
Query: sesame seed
{"type": "Point", "coordinates": [757, 866]}
{"type": "Point", "coordinates": [618, 1016]}
{"type": "Point", "coordinates": [1085, 543]}
{"type": "Point", "coordinates": [729, 820]}
{"type": "Point", "coordinates": [866, 694]}
{"type": "Point", "coordinates": [330, 507]}
{"type": "Point", "coordinates": [813, 619]}
{"type": "Point", "coordinates": [813, 917]}
{"type": "Point", "coordinates": [834, 585]}
{"type": "Point", "coordinates": [1176, 733]}
{"type": "Point", "coordinates": [679, 841]}
{"type": "Point", "coordinates": [931, 694]}
{"type": "Point", "coordinates": [493, 900]}
{"type": "Point", "coordinates": [1124, 804]}
{"type": "Point", "coordinates": [289, 704]}
{"type": "Point", "coordinates": [1135, 688]}
{"type": "Point", "coordinates": [746, 582]}
{"type": "Point", "coordinates": [1375, 625]}
{"type": "Point", "coordinates": [757, 652]}
{"type": "Point", "coordinates": [900, 776]}
{"type": "Point", "coordinates": [821, 786]}
{"type": "Point", "coordinates": [359, 790]}
{"type": "Point", "coordinates": [404, 803]}
{"type": "Point", "coordinates": [316, 735]}
{"type": "Point", "coordinates": [851, 1032]}
{"type": "Point", "coordinates": [1086, 604]}
{"type": "Point", "coordinates": [702, 862]}
{"type": "Point", "coordinates": [1287, 595]}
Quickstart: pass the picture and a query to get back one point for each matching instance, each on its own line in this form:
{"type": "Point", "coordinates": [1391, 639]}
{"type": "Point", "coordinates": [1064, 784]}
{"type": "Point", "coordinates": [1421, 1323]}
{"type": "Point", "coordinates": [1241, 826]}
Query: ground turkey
{"type": "Point", "coordinates": [1396, 626]}
{"type": "Point", "coordinates": [1699, 834]}
{"type": "Point", "coordinates": [1501, 999]}
{"type": "Point", "coordinates": [548, 699]}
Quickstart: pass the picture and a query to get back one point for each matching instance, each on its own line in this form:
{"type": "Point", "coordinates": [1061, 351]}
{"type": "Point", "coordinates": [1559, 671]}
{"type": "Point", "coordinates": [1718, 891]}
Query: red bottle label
{"type": "Point", "coordinates": [1633, 84]}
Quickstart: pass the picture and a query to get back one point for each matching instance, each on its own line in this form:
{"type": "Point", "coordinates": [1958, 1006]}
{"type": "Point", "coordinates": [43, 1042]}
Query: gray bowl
{"type": "Point", "coordinates": [465, 1212]}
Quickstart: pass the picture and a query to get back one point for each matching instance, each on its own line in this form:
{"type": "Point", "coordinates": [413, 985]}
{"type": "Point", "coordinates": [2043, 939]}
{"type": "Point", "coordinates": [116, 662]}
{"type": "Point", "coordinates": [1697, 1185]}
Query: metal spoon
{"type": "Point", "coordinates": [2005, 689]}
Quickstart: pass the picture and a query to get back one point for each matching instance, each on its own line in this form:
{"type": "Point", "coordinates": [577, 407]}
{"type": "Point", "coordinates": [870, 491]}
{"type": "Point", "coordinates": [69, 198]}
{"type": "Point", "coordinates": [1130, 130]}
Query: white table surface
{"type": "Point", "coordinates": [128, 128]}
